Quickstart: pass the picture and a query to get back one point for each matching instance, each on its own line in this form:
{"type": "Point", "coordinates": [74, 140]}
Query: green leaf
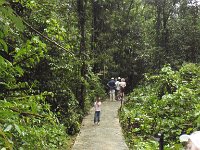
{"type": "Point", "coordinates": [36, 39]}
{"type": "Point", "coordinates": [8, 128]}
{"type": "Point", "coordinates": [3, 43]}
{"type": "Point", "coordinates": [19, 70]}
{"type": "Point", "coordinates": [6, 30]}
{"type": "Point", "coordinates": [17, 128]}
{"type": "Point", "coordinates": [18, 22]}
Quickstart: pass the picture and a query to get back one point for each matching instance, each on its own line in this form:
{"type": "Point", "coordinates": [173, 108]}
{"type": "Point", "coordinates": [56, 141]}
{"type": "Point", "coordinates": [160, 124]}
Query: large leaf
{"type": "Point", "coordinates": [3, 43]}
{"type": "Point", "coordinates": [8, 128]}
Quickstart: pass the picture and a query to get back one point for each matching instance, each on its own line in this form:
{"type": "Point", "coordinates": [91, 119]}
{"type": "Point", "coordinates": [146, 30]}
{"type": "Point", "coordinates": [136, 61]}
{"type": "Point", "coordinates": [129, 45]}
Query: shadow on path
{"type": "Point", "coordinates": [106, 136]}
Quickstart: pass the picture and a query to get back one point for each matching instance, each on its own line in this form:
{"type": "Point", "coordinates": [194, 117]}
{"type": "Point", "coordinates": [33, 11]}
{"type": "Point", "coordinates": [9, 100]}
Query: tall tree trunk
{"type": "Point", "coordinates": [165, 34]}
{"type": "Point", "coordinates": [81, 22]}
{"type": "Point", "coordinates": [158, 5]}
{"type": "Point", "coordinates": [158, 21]}
{"type": "Point", "coordinates": [95, 13]}
{"type": "Point", "coordinates": [193, 52]}
{"type": "Point", "coordinates": [94, 24]}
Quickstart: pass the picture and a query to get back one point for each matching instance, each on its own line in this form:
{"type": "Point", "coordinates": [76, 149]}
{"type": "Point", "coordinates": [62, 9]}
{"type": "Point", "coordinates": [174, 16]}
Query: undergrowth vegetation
{"type": "Point", "coordinates": [167, 103]}
{"type": "Point", "coordinates": [28, 123]}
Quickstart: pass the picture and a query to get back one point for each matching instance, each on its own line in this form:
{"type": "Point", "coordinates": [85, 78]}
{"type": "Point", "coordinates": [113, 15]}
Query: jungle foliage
{"type": "Point", "coordinates": [41, 75]}
{"type": "Point", "coordinates": [56, 55]}
{"type": "Point", "coordinates": [166, 103]}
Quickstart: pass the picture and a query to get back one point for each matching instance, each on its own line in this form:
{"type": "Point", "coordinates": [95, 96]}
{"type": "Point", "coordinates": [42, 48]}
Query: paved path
{"type": "Point", "coordinates": [106, 136]}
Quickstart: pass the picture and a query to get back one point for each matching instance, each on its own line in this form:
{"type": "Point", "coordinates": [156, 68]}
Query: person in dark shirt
{"type": "Point", "coordinates": [111, 85]}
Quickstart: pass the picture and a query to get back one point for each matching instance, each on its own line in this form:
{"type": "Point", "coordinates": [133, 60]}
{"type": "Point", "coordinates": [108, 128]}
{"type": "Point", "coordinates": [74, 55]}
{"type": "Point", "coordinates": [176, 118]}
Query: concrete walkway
{"type": "Point", "coordinates": [106, 136]}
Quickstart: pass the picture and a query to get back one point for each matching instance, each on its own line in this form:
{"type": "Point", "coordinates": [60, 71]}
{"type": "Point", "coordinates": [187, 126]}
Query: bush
{"type": "Point", "coordinates": [29, 124]}
{"type": "Point", "coordinates": [165, 103]}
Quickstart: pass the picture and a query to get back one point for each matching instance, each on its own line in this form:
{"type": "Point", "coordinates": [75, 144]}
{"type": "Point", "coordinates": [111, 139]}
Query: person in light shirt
{"type": "Point", "coordinates": [118, 88]}
{"type": "Point", "coordinates": [193, 140]}
{"type": "Point", "coordinates": [122, 87]}
{"type": "Point", "coordinates": [97, 108]}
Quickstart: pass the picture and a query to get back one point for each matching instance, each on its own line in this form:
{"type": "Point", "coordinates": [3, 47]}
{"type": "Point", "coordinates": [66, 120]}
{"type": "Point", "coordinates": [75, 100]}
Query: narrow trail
{"type": "Point", "coordinates": [106, 136]}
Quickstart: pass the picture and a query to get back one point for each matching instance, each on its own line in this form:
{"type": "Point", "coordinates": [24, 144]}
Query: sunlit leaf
{"type": "Point", "coordinates": [8, 128]}
{"type": "Point", "coordinates": [17, 128]}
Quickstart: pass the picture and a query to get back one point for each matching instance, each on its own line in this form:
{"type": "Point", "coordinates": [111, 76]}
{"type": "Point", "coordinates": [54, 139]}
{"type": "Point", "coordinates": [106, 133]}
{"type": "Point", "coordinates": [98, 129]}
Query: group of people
{"type": "Point", "coordinates": [116, 88]}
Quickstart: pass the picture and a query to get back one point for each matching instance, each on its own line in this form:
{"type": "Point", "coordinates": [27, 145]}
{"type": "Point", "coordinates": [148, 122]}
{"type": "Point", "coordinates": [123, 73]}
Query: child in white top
{"type": "Point", "coordinates": [97, 108]}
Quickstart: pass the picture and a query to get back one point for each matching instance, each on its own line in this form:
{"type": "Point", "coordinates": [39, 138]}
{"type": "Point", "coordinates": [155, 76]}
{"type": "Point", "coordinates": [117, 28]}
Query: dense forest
{"type": "Point", "coordinates": [56, 56]}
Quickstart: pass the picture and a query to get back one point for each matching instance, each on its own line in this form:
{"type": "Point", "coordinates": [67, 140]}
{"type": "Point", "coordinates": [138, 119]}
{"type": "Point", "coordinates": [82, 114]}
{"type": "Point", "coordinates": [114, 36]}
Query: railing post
{"type": "Point", "coordinates": [161, 141]}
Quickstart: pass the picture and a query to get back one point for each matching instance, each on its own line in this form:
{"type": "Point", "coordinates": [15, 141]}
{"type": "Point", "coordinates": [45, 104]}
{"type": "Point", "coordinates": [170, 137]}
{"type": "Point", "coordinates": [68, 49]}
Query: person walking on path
{"type": "Point", "coordinates": [122, 89]}
{"type": "Point", "coordinates": [111, 85]}
{"type": "Point", "coordinates": [97, 108]}
{"type": "Point", "coordinates": [118, 88]}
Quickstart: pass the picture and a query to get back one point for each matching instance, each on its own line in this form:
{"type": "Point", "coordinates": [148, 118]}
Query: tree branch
{"type": "Point", "coordinates": [41, 35]}
{"type": "Point", "coordinates": [129, 9]}
{"type": "Point", "coordinates": [26, 113]}
{"type": "Point", "coordinates": [45, 37]}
